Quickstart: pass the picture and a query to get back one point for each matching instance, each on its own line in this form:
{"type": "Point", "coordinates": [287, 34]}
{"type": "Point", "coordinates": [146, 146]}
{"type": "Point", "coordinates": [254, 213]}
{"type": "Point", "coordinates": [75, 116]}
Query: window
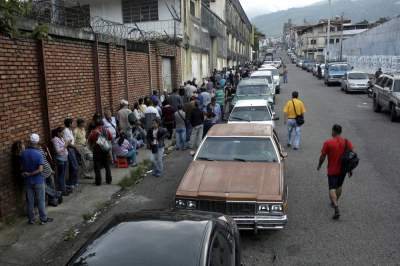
{"type": "Point", "coordinates": [221, 251]}
{"type": "Point", "coordinates": [337, 40]}
{"type": "Point", "coordinates": [383, 82]}
{"type": "Point", "coordinates": [389, 83]}
{"type": "Point", "coordinates": [193, 8]}
{"type": "Point", "coordinates": [331, 41]}
{"type": "Point", "coordinates": [379, 81]}
{"type": "Point", "coordinates": [139, 10]}
{"type": "Point", "coordinates": [250, 113]}
{"type": "Point", "coordinates": [396, 87]}
{"type": "Point", "coordinates": [313, 41]}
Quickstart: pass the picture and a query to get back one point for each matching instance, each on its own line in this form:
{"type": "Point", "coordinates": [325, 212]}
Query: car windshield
{"type": "Point", "coordinates": [252, 90]}
{"type": "Point", "coordinates": [250, 113]}
{"type": "Point", "coordinates": [262, 77]}
{"type": "Point", "coordinates": [358, 76]}
{"type": "Point", "coordinates": [396, 87]}
{"type": "Point", "coordinates": [245, 149]}
{"type": "Point", "coordinates": [339, 67]}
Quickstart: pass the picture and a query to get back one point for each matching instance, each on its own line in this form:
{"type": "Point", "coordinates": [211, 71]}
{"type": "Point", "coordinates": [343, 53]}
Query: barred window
{"type": "Point", "coordinates": [139, 10]}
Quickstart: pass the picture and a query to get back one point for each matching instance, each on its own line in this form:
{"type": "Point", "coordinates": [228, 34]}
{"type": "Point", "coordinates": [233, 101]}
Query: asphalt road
{"type": "Point", "coordinates": [368, 232]}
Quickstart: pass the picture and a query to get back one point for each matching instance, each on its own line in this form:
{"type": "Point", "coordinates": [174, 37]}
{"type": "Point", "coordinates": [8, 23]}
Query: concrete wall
{"type": "Point", "coordinates": [219, 8]}
{"type": "Point", "coordinates": [107, 9]}
{"type": "Point", "coordinates": [377, 47]}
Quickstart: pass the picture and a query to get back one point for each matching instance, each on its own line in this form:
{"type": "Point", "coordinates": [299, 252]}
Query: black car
{"type": "Point", "coordinates": [163, 238]}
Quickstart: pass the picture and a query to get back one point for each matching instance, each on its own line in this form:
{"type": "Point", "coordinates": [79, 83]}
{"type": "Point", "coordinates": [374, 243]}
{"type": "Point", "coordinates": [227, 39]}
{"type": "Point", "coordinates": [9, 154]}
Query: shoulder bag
{"type": "Point", "coordinates": [299, 118]}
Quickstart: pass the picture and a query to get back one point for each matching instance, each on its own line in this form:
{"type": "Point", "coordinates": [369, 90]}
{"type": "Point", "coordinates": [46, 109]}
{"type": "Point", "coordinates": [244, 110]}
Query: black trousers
{"type": "Point", "coordinates": [101, 160]}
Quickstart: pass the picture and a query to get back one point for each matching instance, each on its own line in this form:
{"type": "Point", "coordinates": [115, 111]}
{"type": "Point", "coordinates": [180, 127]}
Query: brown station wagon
{"type": "Point", "coordinates": [239, 171]}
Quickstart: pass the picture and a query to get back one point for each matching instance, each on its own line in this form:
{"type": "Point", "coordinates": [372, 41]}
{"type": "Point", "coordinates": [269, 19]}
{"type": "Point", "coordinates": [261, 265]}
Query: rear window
{"type": "Point", "coordinates": [339, 67]}
{"type": "Point", "coordinates": [250, 113]}
{"type": "Point", "coordinates": [358, 76]}
{"type": "Point", "coordinates": [268, 78]}
{"type": "Point", "coordinates": [252, 90]}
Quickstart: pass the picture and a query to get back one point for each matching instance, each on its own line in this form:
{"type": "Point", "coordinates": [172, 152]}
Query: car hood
{"type": "Point", "coordinates": [268, 97]}
{"type": "Point", "coordinates": [359, 81]}
{"type": "Point", "coordinates": [232, 181]}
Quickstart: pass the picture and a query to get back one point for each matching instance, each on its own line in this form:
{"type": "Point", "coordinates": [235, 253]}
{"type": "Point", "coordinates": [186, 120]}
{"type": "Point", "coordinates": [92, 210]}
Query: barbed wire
{"type": "Point", "coordinates": [71, 13]}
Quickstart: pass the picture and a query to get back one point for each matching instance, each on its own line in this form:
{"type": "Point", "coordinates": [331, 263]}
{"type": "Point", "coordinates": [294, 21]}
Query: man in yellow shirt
{"type": "Point", "coordinates": [294, 108]}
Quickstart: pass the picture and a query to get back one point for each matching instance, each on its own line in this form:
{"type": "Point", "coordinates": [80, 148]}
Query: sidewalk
{"type": "Point", "coordinates": [21, 243]}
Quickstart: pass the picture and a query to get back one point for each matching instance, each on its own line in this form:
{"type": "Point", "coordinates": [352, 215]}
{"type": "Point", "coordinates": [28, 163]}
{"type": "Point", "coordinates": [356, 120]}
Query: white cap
{"type": "Point", "coordinates": [124, 102]}
{"type": "Point", "coordinates": [34, 138]}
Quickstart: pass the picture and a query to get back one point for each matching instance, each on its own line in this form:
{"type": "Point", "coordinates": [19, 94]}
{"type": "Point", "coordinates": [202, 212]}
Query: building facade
{"type": "Point", "coordinates": [211, 34]}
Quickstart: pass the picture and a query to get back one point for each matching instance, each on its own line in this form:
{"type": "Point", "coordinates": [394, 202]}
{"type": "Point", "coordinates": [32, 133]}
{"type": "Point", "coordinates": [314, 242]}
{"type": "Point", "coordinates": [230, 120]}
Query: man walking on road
{"type": "Point", "coordinates": [334, 149]}
{"type": "Point", "coordinates": [293, 109]}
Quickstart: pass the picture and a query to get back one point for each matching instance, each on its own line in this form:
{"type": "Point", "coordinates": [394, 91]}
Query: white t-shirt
{"type": "Point", "coordinates": [69, 135]}
{"type": "Point", "coordinates": [152, 110]}
{"type": "Point", "coordinates": [111, 126]}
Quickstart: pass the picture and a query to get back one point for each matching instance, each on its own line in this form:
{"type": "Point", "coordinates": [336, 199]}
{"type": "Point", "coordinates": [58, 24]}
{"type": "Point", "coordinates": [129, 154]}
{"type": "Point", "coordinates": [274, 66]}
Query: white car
{"type": "Point", "coordinates": [267, 76]}
{"type": "Point", "coordinates": [278, 63]}
{"type": "Point", "coordinates": [275, 75]}
{"type": "Point", "coordinates": [253, 111]}
{"type": "Point", "coordinates": [355, 81]}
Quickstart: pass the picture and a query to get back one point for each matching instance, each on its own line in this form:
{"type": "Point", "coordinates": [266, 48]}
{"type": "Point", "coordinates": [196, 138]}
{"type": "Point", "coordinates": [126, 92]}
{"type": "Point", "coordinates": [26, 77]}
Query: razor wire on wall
{"type": "Point", "coordinates": [370, 64]}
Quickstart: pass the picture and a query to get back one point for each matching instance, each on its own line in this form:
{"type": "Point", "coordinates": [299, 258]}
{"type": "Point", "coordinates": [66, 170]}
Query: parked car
{"type": "Point", "coordinates": [300, 63]}
{"type": "Point", "coordinates": [355, 81]}
{"type": "Point", "coordinates": [386, 95]}
{"type": "Point", "coordinates": [239, 171]}
{"type": "Point", "coordinates": [149, 238]}
{"type": "Point", "coordinates": [253, 111]}
{"type": "Point", "coordinates": [275, 75]}
{"type": "Point", "coordinates": [334, 72]}
{"type": "Point", "coordinates": [305, 64]}
{"type": "Point", "coordinates": [265, 75]}
{"type": "Point", "coordinates": [277, 63]}
{"type": "Point", "coordinates": [310, 65]}
{"type": "Point", "coordinates": [322, 71]}
{"type": "Point", "coordinates": [253, 89]}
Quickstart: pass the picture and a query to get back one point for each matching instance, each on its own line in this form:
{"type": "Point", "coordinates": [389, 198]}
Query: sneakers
{"type": "Point", "coordinates": [337, 214]}
{"type": "Point", "coordinates": [49, 220]}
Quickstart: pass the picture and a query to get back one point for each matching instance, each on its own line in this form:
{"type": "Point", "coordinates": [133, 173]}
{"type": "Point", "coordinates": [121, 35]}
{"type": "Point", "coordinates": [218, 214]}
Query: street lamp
{"type": "Point", "coordinates": [328, 33]}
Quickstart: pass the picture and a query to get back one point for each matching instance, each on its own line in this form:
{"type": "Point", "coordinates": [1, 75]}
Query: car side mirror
{"type": "Point", "coordinates": [284, 155]}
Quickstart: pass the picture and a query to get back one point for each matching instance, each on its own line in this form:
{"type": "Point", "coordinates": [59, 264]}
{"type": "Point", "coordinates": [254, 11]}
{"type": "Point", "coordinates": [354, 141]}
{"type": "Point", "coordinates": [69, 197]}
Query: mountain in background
{"type": "Point", "coordinates": [356, 10]}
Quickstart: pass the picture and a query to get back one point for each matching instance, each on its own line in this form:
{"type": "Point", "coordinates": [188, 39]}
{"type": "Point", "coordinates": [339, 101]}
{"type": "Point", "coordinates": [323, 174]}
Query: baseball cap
{"type": "Point", "coordinates": [34, 138]}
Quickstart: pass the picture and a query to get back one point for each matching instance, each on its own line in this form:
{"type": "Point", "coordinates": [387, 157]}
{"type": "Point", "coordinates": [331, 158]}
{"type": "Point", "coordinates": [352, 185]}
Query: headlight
{"type": "Point", "coordinates": [191, 204]}
{"type": "Point", "coordinates": [276, 208]}
{"type": "Point", "coordinates": [185, 204]}
{"type": "Point", "coordinates": [352, 84]}
{"type": "Point", "coordinates": [180, 204]}
{"type": "Point", "coordinates": [263, 208]}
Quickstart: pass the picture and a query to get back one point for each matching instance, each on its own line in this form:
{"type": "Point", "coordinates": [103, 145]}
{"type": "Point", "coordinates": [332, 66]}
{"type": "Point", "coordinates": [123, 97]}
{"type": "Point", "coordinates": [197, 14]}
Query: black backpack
{"type": "Point", "coordinates": [350, 160]}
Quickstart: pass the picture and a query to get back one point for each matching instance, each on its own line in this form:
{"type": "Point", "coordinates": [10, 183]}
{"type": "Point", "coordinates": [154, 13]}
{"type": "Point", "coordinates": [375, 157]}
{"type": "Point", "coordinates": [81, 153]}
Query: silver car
{"type": "Point", "coordinates": [355, 81]}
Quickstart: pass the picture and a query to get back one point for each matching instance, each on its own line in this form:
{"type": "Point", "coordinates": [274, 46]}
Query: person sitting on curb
{"type": "Point", "coordinates": [32, 164]}
{"type": "Point", "coordinates": [123, 148]}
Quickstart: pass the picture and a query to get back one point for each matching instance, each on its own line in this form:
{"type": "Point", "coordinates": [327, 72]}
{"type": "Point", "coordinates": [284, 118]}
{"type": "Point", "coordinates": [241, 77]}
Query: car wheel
{"type": "Point", "coordinates": [393, 114]}
{"type": "Point", "coordinates": [377, 107]}
{"type": "Point", "coordinates": [346, 90]}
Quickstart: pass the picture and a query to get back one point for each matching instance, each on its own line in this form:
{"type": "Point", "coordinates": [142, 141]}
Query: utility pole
{"type": "Point", "coordinates": [328, 37]}
{"type": "Point", "coordinates": [341, 39]}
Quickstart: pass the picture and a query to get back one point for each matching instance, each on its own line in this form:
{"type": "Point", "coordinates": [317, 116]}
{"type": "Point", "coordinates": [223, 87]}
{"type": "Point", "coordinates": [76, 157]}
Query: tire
{"type": "Point", "coordinates": [377, 107]}
{"type": "Point", "coordinates": [346, 90]}
{"type": "Point", "coordinates": [393, 114]}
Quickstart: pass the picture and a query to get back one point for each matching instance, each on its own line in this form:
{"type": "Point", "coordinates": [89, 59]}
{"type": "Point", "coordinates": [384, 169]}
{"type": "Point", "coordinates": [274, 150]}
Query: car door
{"type": "Point", "coordinates": [387, 92]}
{"type": "Point", "coordinates": [222, 249]}
{"type": "Point", "coordinates": [381, 85]}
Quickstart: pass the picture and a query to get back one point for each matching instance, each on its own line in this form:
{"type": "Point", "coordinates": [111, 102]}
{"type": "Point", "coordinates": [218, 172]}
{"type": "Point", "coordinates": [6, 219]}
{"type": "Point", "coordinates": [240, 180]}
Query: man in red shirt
{"type": "Point", "coordinates": [334, 149]}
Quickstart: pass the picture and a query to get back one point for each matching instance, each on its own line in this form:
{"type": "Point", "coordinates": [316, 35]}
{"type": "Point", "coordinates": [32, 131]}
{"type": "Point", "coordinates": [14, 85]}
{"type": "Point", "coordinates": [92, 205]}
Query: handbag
{"type": "Point", "coordinates": [103, 142]}
{"type": "Point", "coordinates": [299, 118]}
{"type": "Point", "coordinates": [349, 160]}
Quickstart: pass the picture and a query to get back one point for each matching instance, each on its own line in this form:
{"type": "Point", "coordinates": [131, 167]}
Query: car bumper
{"type": "Point", "coordinates": [357, 88]}
{"type": "Point", "coordinates": [261, 222]}
{"type": "Point", "coordinates": [334, 79]}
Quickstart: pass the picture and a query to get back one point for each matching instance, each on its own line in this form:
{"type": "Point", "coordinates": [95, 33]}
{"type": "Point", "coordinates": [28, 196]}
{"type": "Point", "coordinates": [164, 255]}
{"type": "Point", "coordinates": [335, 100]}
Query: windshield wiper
{"type": "Point", "coordinates": [240, 118]}
{"type": "Point", "coordinates": [240, 159]}
{"type": "Point", "coordinates": [205, 159]}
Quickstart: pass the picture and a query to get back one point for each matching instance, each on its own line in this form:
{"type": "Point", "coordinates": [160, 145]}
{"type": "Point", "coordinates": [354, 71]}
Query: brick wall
{"type": "Point", "coordinates": [70, 78]}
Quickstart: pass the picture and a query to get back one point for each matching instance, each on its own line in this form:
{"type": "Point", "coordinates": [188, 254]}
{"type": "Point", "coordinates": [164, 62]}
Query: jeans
{"type": "Point", "coordinates": [73, 167]}
{"type": "Point", "coordinates": [188, 132]}
{"type": "Point", "coordinates": [131, 156]}
{"type": "Point", "coordinates": [285, 79]}
{"type": "Point", "coordinates": [60, 179]}
{"type": "Point", "coordinates": [157, 160]}
{"type": "Point", "coordinates": [101, 160]}
{"type": "Point", "coordinates": [180, 135]}
{"type": "Point", "coordinates": [196, 137]}
{"type": "Point", "coordinates": [292, 126]}
{"type": "Point", "coordinates": [36, 191]}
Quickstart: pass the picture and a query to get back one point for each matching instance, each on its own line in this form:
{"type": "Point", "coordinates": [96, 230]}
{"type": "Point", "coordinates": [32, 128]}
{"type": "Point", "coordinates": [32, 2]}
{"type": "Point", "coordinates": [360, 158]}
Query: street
{"type": "Point", "coordinates": [366, 232]}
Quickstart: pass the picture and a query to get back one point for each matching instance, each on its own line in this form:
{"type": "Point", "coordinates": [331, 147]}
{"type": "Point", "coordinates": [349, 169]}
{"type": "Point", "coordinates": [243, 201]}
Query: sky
{"type": "Point", "coordinates": [259, 7]}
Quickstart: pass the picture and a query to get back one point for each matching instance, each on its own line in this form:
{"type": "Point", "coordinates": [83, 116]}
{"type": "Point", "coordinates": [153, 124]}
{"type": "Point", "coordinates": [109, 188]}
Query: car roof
{"type": "Point", "coordinates": [261, 73]}
{"type": "Point", "coordinates": [238, 130]}
{"type": "Point", "coordinates": [356, 71]}
{"type": "Point", "coordinates": [149, 238]}
{"type": "Point", "coordinates": [243, 103]}
{"type": "Point", "coordinates": [266, 67]}
{"type": "Point", "coordinates": [252, 82]}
